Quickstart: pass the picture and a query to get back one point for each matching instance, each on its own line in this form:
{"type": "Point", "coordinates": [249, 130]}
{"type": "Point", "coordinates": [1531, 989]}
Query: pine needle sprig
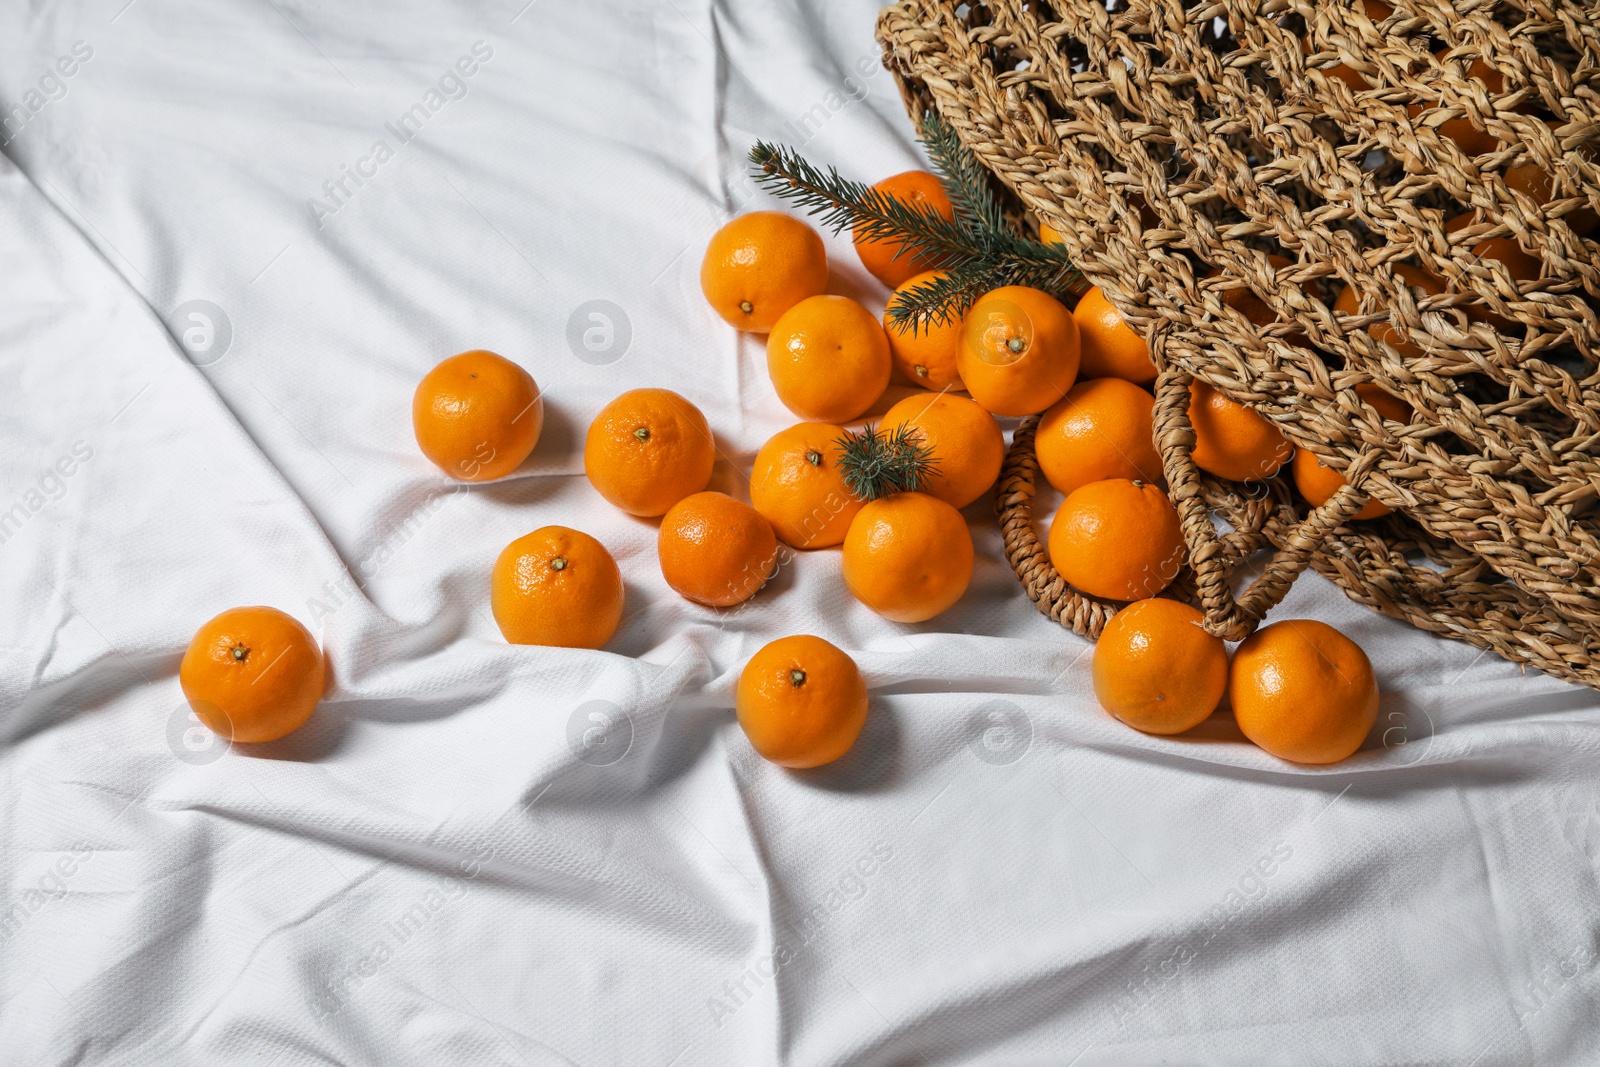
{"type": "Point", "coordinates": [977, 248]}
{"type": "Point", "coordinates": [877, 463]}
{"type": "Point", "coordinates": [844, 204]}
{"type": "Point", "coordinates": [944, 298]}
{"type": "Point", "coordinates": [965, 181]}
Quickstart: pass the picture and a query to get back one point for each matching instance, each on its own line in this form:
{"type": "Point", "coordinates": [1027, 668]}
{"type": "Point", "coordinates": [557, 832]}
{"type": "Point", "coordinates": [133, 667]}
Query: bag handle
{"type": "Point", "coordinates": [1228, 617]}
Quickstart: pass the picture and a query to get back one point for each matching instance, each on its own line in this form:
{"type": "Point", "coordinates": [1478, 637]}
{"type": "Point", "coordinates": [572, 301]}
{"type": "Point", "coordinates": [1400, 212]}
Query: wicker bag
{"type": "Point", "coordinates": [1294, 148]}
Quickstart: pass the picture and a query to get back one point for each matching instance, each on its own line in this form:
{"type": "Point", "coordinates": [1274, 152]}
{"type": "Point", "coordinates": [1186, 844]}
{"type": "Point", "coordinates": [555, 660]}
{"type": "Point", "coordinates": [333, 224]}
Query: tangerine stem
{"type": "Point", "coordinates": [559, 563]}
{"type": "Point", "coordinates": [239, 653]}
{"type": "Point", "coordinates": [642, 433]}
{"type": "Point", "coordinates": [797, 677]}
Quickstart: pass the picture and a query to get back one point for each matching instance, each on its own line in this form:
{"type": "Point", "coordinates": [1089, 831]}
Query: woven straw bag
{"type": "Point", "coordinates": [1293, 148]}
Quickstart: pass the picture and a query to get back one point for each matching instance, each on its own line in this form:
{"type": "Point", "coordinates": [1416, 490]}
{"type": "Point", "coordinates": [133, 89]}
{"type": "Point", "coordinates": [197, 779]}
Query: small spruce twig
{"type": "Point", "coordinates": [877, 463]}
{"type": "Point", "coordinates": [977, 249]}
{"type": "Point", "coordinates": [965, 181]}
{"type": "Point", "coordinates": [944, 298]}
{"type": "Point", "coordinates": [856, 206]}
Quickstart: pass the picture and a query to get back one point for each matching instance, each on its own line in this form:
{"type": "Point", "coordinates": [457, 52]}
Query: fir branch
{"type": "Point", "coordinates": [877, 463]}
{"type": "Point", "coordinates": [965, 181]}
{"type": "Point", "coordinates": [977, 249]}
{"type": "Point", "coordinates": [943, 299]}
{"type": "Point", "coordinates": [869, 215]}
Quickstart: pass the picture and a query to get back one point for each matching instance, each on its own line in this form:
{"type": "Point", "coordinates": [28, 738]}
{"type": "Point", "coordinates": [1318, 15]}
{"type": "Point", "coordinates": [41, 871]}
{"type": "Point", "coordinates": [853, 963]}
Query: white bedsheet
{"type": "Point", "coordinates": [437, 870]}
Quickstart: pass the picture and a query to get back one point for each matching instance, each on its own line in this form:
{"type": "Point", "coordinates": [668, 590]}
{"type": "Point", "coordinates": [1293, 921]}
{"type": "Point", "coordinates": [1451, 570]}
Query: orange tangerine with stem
{"type": "Point", "coordinates": [797, 486]}
{"type": "Point", "coordinates": [1019, 350]}
{"type": "Point", "coordinates": [928, 351]}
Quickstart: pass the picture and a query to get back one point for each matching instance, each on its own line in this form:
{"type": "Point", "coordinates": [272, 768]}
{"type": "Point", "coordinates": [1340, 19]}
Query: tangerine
{"type": "Point", "coordinates": [1119, 539]}
{"type": "Point", "coordinates": [927, 357]}
{"type": "Point", "coordinates": [647, 450]}
{"type": "Point", "coordinates": [1157, 669]}
{"type": "Point", "coordinates": [716, 550]}
{"type": "Point", "coordinates": [252, 674]}
{"type": "Point", "coordinates": [797, 486]}
{"type": "Point", "coordinates": [1377, 11]}
{"type": "Point", "coordinates": [887, 260]}
{"type": "Point", "coordinates": [760, 265]}
{"type": "Point", "coordinates": [1521, 265]}
{"type": "Point", "coordinates": [1244, 300]}
{"type": "Point", "coordinates": [1019, 350]}
{"type": "Point", "coordinates": [556, 587]}
{"type": "Point", "coordinates": [1317, 482]}
{"type": "Point", "coordinates": [908, 556]}
{"type": "Point", "coordinates": [1148, 219]}
{"type": "Point", "coordinates": [1109, 347]}
{"type": "Point", "coordinates": [1348, 303]}
{"type": "Point", "coordinates": [1303, 691]}
{"type": "Point", "coordinates": [477, 415]}
{"type": "Point", "coordinates": [1230, 440]}
{"type": "Point", "coordinates": [1473, 141]}
{"type": "Point", "coordinates": [1538, 184]}
{"type": "Point", "coordinates": [801, 702]}
{"type": "Point", "coordinates": [828, 358]}
{"type": "Point", "coordinates": [965, 440]}
{"type": "Point", "coordinates": [1103, 428]}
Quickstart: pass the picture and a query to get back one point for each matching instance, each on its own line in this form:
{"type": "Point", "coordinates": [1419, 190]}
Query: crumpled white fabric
{"type": "Point", "coordinates": [478, 853]}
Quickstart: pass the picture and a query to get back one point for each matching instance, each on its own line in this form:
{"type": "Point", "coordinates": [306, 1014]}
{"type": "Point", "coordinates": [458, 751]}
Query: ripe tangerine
{"type": "Point", "coordinates": [801, 701]}
{"type": "Point", "coordinates": [716, 550]}
{"type": "Point", "coordinates": [1303, 691]}
{"type": "Point", "coordinates": [1119, 539]}
{"type": "Point", "coordinates": [908, 556]}
{"type": "Point", "coordinates": [828, 358]}
{"type": "Point", "coordinates": [647, 450]}
{"type": "Point", "coordinates": [477, 415]}
{"type": "Point", "coordinates": [1019, 350]}
{"type": "Point", "coordinates": [967, 445]}
{"type": "Point", "coordinates": [1103, 428]}
{"type": "Point", "coordinates": [927, 357]}
{"type": "Point", "coordinates": [796, 485]}
{"type": "Point", "coordinates": [1157, 669]}
{"type": "Point", "coordinates": [1231, 441]}
{"type": "Point", "coordinates": [888, 260]}
{"type": "Point", "coordinates": [760, 265]}
{"type": "Point", "coordinates": [1317, 483]}
{"type": "Point", "coordinates": [1109, 347]}
{"type": "Point", "coordinates": [556, 587]}
{"type": "Point", "coordinates": [252, 674]}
